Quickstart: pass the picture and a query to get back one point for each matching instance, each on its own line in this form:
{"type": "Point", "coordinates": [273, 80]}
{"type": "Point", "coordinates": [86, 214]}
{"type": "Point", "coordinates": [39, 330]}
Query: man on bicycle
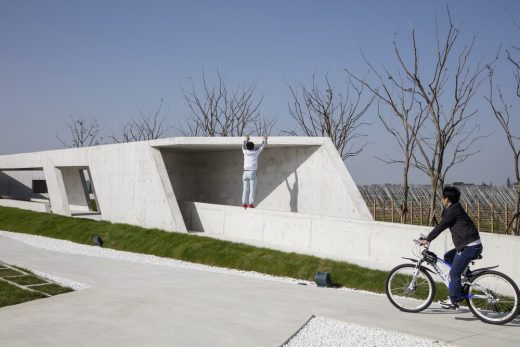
{"type": "Point", "coordinates": [465, 238]}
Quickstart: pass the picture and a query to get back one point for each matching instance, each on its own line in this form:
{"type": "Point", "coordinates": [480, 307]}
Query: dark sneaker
{"type": "Point", "coordinates": [448, 305]}
{"type": "Point", "coordinates": [244, 206]}
{"type": "Point", "coordinates": [251, 206]}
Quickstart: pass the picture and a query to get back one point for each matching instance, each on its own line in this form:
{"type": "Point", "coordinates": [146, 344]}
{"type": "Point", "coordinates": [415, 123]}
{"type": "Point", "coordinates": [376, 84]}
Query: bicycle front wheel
{"type": "Point", "coordinates": [493, 297]}
{"type": "Point", "coordinates": [409, 291]}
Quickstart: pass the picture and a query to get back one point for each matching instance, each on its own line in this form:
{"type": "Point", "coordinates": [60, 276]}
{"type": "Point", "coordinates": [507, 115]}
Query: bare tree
{"type": "Point", "coordinates": [329, 113]}
{"type": "Point", "coordinates": [408, 111]}
{"type": "Point", "coordinates": [502, 112]}
{"type": "Point", "coordinates": [217, 111]}
{"type": "Point", "coordinates": [84, 132]}
{"type": "Point", "coordinates": [148, 126]}
{"type": "Point", "coordinates": [448, 134]}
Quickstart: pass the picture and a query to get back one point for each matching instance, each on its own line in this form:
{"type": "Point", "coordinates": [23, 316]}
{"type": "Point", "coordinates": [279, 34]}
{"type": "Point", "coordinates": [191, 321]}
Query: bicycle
{"type": "Point", "coordinates": [491, 296]}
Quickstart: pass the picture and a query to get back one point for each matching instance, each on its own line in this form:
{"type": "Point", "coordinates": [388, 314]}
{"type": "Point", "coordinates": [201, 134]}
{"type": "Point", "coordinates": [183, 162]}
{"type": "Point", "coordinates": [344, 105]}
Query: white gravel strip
{"type": "Point", "coordinates": [320, 331]}
{"type": "Point", "coordinates": [61, 281]}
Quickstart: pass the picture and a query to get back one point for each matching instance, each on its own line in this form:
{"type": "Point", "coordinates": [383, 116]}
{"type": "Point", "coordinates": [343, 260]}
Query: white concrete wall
{"type": "Point", "coordinates": [367, 243]}
{"type": "Point", "coordinates": [128, 186]}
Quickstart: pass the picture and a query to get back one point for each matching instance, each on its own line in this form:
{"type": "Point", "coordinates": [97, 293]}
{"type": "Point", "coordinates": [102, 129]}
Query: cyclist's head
{"type": "Point", "coordinates": [250, 145]}
{"type": "Point", "coordinates": [451, 193]}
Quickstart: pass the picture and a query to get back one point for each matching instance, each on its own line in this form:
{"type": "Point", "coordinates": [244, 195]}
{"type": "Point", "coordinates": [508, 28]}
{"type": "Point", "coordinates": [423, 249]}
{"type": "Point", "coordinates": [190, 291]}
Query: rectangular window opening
{"type": "Point", "coordinates": [39, 187]}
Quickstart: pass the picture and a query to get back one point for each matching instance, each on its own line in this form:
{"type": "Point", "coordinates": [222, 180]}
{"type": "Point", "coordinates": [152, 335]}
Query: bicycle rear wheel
{"type": "Point", "coordinates": [493, 297]}
{"type": "Point", "coordinates": [407, 292]}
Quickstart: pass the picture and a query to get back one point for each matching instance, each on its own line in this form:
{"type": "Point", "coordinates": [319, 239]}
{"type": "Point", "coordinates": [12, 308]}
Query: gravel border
{"type": "Point", "coordinates": [321, 331]}
{"type": "Point", "coordinates": [61, 281]}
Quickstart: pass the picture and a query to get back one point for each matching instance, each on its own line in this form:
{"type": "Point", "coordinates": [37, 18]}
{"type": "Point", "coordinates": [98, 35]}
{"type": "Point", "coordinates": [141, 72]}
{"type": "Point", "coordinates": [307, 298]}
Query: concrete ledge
{"type": "Point", "coordinates": [371, 244]}
{"type": "Point", "coordinates": [26, 205]}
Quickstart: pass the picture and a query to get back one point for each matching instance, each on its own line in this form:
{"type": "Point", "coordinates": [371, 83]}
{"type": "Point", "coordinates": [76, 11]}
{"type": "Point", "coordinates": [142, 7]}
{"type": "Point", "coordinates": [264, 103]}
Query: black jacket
{"type": "Point", "coordinates": [462, 228]}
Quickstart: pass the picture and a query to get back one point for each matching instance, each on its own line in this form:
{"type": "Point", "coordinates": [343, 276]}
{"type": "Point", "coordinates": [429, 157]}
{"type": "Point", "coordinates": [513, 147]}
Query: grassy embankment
{"type": "Point", "coordinates": [203, 250]}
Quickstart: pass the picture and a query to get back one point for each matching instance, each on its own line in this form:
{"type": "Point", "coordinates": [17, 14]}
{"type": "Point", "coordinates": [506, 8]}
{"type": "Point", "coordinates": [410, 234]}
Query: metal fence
{"type": "Point", "coordinates": [491, 208]}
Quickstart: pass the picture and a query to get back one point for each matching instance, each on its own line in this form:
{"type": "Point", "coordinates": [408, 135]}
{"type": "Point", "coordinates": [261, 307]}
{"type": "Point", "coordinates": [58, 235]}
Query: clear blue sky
{"type": "Point", "coordinates": [110, 60]}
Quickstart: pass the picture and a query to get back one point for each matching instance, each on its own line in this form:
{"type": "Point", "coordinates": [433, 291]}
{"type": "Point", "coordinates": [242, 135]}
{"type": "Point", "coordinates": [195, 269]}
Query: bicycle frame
{"type": "Point", "coordinates": [444, 274]}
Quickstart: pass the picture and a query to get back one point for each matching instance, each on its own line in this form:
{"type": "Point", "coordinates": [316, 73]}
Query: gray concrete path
{"type": "Point", "coordinates": [129, 304]}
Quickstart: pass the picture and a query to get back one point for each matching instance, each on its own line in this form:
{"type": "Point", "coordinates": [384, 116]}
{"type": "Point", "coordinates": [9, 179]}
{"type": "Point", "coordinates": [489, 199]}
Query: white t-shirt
{"type": "Point", "coordinates": [251, 156]}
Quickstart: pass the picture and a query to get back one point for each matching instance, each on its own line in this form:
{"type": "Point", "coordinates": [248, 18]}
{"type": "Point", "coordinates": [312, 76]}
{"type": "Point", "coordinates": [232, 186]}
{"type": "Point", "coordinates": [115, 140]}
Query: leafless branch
{"type": "Point", "coordinates": [217, 111]}
{"type": "Point", "coordinates": [147, 126]}
{"type": "Point", "coordinates": [84, 132]}
{"type": "Point", "coordinates": [326, 112]}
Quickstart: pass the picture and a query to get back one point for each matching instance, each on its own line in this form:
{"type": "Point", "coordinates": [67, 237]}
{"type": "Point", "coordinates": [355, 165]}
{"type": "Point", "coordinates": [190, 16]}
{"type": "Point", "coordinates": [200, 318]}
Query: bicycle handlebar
{"type": "Point", "coordinates": [417, 241]}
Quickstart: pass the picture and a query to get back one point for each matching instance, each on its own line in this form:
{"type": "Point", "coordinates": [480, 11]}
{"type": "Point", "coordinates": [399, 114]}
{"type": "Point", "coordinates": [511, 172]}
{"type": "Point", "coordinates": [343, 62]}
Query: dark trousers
{"type": "Point", "coordinates": [459, 261]}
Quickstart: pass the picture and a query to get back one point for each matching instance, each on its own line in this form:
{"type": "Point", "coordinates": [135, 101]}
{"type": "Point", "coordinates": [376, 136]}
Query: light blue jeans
{"type": "Point", "coordinates": [249, 179]}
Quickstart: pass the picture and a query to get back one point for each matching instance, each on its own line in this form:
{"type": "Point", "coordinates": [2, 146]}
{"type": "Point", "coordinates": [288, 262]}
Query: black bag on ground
{"type": "Point", "coordinates": [323, 279]}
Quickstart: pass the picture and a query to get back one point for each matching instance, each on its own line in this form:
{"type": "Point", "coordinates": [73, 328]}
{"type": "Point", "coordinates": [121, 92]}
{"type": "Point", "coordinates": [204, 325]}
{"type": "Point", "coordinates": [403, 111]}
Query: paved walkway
{"type": "Point", "coordinates": [150, 305]}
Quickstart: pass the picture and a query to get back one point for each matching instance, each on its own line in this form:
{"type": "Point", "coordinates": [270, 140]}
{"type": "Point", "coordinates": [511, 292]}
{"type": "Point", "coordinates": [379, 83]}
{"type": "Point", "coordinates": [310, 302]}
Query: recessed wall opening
{"type": "Point", "coordinates": [24, 188]}
{"type": "Point", "coordinates": [25, 184]}
{"type": "Point", "coordinates": [213, 174]}
{"type": "Point", "coordinates": [80, 191]}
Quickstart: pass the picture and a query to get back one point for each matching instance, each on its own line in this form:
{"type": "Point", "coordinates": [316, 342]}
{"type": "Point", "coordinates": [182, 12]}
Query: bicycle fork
{"type": "Point", "coordinates": [413, 283]}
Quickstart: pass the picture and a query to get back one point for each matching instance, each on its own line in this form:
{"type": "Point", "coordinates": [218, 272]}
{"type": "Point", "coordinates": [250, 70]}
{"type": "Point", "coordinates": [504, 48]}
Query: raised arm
{"type": "Point", "coordinates": [264, 143]}
{"type": "Point", "coordinates": [244, 144]}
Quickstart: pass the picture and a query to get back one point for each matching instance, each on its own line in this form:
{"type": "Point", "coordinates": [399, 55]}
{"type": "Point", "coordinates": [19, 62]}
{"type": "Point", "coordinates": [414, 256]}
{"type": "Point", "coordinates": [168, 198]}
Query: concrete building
{"type": "Point", "coordinates": [307, 201]}
{"type": "Point", "coordinates": [160, 183]}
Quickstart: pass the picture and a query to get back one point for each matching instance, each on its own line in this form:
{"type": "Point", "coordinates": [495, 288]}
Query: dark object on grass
{"type": "Point", "coordinates": [323, 279]}
{"type": "Point", "coordinates": [97, 240]}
